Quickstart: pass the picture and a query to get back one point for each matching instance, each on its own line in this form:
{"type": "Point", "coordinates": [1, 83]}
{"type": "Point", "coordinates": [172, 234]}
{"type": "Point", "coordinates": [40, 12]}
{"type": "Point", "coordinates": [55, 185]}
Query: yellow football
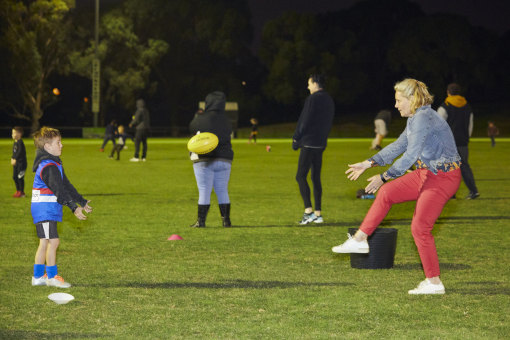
{"type": "Point", "coordinates": [203, 143]}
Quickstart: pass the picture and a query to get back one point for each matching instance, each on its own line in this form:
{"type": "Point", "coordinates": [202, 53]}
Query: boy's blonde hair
{"type": "Point", "coordinates": [416, 91]}
{"type": "Point", "coordinates": [45, 135]}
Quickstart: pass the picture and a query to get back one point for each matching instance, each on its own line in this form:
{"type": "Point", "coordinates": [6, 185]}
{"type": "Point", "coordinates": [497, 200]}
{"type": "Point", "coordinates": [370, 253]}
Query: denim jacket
{"type": "Point", "coordinates": [427, 140]}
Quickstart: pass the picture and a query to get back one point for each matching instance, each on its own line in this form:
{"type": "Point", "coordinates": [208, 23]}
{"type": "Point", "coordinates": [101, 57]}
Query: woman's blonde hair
{"type": "Point", "coordinates": [45, 135]}
{"type": "Point", "coordinates": [416, 91]}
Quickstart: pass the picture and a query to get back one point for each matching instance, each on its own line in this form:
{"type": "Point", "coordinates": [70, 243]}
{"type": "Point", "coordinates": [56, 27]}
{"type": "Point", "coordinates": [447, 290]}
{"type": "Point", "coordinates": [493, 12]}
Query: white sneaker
{"type": "Point", "coordinates": [57, 281]}
{"type": "Point", "coordinates": [143, 159]}
{"type": "Point", "coordinates": [425, 287]}
{"type": "Point", "coordinates": [41, 281]}
{"type": "Point", "coordinates": [134, 159]}
{"type": "Point", "coordinates": [307, 218]}
{"type": "Point", "coordinates": [352, 246]}
{"type": "Point", "coordinates": [319, 219]}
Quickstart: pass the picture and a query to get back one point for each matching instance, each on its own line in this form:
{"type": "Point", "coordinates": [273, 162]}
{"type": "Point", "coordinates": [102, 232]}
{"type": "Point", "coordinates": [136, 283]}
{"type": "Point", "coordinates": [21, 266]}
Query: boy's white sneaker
{"type": "Point", "coordinates": [319, 219]}
{"type": "Point", "coordinates": [426, 287]}
{"type": "Point", "coordinates": [134, 159]}
{"type": "Point", "coordinates": [57, 281]}
{"type": "Point", "coordinates": [352, 246]}
{"type": "Point", "coordinates": [41, 281]}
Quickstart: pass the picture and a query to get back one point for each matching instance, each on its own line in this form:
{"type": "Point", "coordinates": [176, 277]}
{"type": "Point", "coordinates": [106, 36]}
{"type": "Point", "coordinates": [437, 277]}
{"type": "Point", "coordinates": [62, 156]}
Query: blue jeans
{"type": "Point", "coordinates": [211, 174]}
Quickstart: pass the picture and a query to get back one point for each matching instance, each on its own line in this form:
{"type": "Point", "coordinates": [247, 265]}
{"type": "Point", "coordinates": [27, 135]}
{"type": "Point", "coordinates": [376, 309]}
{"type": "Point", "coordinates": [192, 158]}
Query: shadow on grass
{"type": "Point", "coordinates": [481, 288]}
{"type": "Point", "coordinates": [226, 285]}
{"type": "Point", "coordinates": [445, 266]}
{"type": "Point", "coordinates": [118, 194]}
{"type": "Point", "coordinates": [21, 334]}
{"type": "Point", "coordinates": [297, 225]}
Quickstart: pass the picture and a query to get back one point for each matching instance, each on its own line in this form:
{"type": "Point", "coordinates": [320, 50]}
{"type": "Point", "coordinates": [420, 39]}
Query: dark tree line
{"type": "Point", "coordinates": [173, 52]}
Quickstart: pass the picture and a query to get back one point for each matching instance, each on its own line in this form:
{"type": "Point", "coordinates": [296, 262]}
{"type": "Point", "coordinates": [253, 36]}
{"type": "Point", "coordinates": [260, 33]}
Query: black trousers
{"type": "Point", "coordinates": [18, 175]}
{"type": "Point", "coordinates": [141, 137]}
{"type": "Point", "coordinates": [465, 169]}
{"type": "Point", "coordinates": [107, 138]}
{"type": "Point", "coordinates": [310, 159]}
{"type": "Point", "coordinates": [117, 149]}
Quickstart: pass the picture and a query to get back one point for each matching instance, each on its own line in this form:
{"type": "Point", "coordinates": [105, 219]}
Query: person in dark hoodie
{"type": "Point", "coordinates": [311, 136]}
{"type": "Point", "coordinates": [141, 121]}
{"type": "Point", "coordinates": [458, 114]}
{"type": "Point", "coordinates": [51, 190]}
{"type": "Point", "coordinates": [212, 170]}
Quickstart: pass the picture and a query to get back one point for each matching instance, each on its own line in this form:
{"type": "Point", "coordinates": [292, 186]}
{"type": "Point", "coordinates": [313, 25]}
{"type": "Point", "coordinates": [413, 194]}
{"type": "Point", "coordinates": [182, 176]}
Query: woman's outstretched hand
{"type": "Point", "coordinates": [374, 185]}
{"type": "Point", "coordinates": [355, 170]}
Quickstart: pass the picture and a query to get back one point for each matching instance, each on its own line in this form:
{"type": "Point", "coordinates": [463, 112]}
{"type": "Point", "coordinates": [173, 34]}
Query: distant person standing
{"type": "Point", "coordinates": [459, 115]}
{"type": "Point", "coordinates": [492, 132]}
{"type": "Point", "coordinates": [311, 135]}
{"type": "Point", "coordinates": [254, 130]}
{"type": "Point", "coordinates": [109, 134]}
{"type": "Point", "coordinates": [18, 161]}
{"type": "Point", "coordinates": [381, 122]}
{"type": "Point", "coordinates": [141, 122]}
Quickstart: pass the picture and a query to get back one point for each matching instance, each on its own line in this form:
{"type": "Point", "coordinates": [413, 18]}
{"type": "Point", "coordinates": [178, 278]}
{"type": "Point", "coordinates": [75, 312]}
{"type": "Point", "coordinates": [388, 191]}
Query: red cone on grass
{"type": "Point", "coordinates": [174, 237]}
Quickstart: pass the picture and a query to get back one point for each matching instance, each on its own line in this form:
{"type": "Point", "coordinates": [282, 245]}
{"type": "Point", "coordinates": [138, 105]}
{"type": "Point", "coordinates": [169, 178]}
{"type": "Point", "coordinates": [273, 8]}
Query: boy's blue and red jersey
{"type": "Point", "coordinates": [44, 202]}
{"type": "Point", "coordinates": [52, 189]}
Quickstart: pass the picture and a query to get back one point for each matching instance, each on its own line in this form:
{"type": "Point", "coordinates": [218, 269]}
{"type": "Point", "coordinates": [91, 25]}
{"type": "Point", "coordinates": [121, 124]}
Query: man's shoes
{"type": "Point", "coordinates": [101, 150]}
{"type": "Point", "coordinates": [134, 159]}
{"type": "Point", "coordinates": [144, 160]}
{"type": "Point", "coordinates": [352, 246]}
{"type": "Point", "coordinates": [57, 281]}
{"type": "Point", "coordinates": [472, 195]}
{"type": "Point", "coordinates": [307, 218]}
{"type": "Point", "coordinates": [425, 287]}
{"type": "Point", "coordinates": [41, 281]}
{"type": "Point", "coordinates": [17, 194]}
{"type": "Point", "coordinates": [22, 194]}
{"type": "Point", "coordinates": [319, 219]}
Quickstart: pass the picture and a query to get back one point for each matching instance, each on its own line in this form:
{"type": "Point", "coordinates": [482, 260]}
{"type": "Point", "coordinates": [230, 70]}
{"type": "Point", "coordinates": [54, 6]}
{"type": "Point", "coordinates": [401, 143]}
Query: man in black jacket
{"type": "Point", "coordinates": [459, 115]}
{"type": "Point", "coordinates": [141, 121]}
{"type": "Point", "coordinates": [311, 136]}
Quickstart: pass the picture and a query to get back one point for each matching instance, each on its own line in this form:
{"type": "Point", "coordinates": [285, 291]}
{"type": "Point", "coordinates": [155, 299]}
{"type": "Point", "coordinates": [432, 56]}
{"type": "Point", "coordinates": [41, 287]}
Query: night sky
{"type": "Point", "coordinates": [490, 14]}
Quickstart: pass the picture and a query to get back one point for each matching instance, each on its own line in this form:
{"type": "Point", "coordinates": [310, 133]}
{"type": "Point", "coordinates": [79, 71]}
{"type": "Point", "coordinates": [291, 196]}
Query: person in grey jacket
{"type": "Point", "coordinates": [141, 122]}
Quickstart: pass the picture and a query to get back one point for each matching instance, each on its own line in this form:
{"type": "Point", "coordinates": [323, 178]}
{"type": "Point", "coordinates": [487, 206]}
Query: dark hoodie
{"type": "Point", "coordinates": [141, 120]}
{"type": "Point", "coordinates": [59, 184]}
{"type": "Point", "coordinates": [215, 120]}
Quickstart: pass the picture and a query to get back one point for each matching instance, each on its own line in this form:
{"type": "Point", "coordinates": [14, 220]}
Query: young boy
{"type": "Point", "coordinates": [121, 142]}
{"type": "Point", "coordinates": [51, 190]}
{"type": "Point", "coordinates": [492, 132]}
{"type": "Point", "coordinates": [254, 130]}
{"type": "Point", "coordinates": [18, 161]}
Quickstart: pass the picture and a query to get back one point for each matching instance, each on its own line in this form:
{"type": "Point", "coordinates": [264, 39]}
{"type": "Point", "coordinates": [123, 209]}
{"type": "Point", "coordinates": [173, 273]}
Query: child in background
{"type": "Point", "coordinates": [254, 130]}
{"type": "Point", "coordinates": [109, 134]}
{"type": "Point", "coordinates": [121, 142]}
{"type": "Point", "coordinates": [51, 190]}
{"type": "Point", "coordinates": [18, 161]}
{"type": "Point", "coordinates": [492, 132]}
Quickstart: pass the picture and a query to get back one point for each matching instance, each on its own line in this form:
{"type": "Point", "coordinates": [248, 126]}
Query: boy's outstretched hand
{"type": "Point", "coordinates": [79, 213]}
{"type": "Point", "coordinates": [87, 207]}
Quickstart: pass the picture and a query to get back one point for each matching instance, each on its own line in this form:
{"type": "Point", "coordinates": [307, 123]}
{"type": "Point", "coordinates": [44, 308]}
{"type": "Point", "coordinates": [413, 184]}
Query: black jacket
{"type": "Point", "coordinates": [59, 184]}
{"type": "Point", "coordinates": [141, 120]}
{"type": "Point", "coordinates": [19, 153]}
{"type": "Point", "coordinates": [315, 121]}
{"type": "Point", "coordinates": [458, 119]}
{"type": "Point", "coordinates": [214, 120]}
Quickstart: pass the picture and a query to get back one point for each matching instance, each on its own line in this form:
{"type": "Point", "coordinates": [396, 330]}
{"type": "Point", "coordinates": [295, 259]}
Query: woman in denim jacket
{"type": "Point", "coordinates": [427, 143]}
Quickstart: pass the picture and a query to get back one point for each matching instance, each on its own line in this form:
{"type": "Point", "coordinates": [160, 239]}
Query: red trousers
{"type": "Point", "coordinates": [431, 192]}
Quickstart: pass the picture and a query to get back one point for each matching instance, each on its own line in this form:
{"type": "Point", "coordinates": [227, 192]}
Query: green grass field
{"type": "Point", "coordinates": [265, 278]}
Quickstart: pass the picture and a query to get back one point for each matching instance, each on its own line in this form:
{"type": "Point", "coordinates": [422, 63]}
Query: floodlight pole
{"type": "Point", "coordinates": [96, 71]}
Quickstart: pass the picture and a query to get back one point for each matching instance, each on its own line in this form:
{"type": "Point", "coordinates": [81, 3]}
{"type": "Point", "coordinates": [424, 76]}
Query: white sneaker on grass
{"type": "Point", "coordinates": [40, 281]}
{"type": "Point", "coordinates": [426, 287]}
{"type": "Point", "coordinates": [134, 159]}
{"type": "Point", "coordinates": [319, 219]}
{"type": "Point", "coordinates": [352, 246]}
{"type": "Point", "coordinates": [57, 281]}
{"type": "Point", "coordinates": [307, 218]}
